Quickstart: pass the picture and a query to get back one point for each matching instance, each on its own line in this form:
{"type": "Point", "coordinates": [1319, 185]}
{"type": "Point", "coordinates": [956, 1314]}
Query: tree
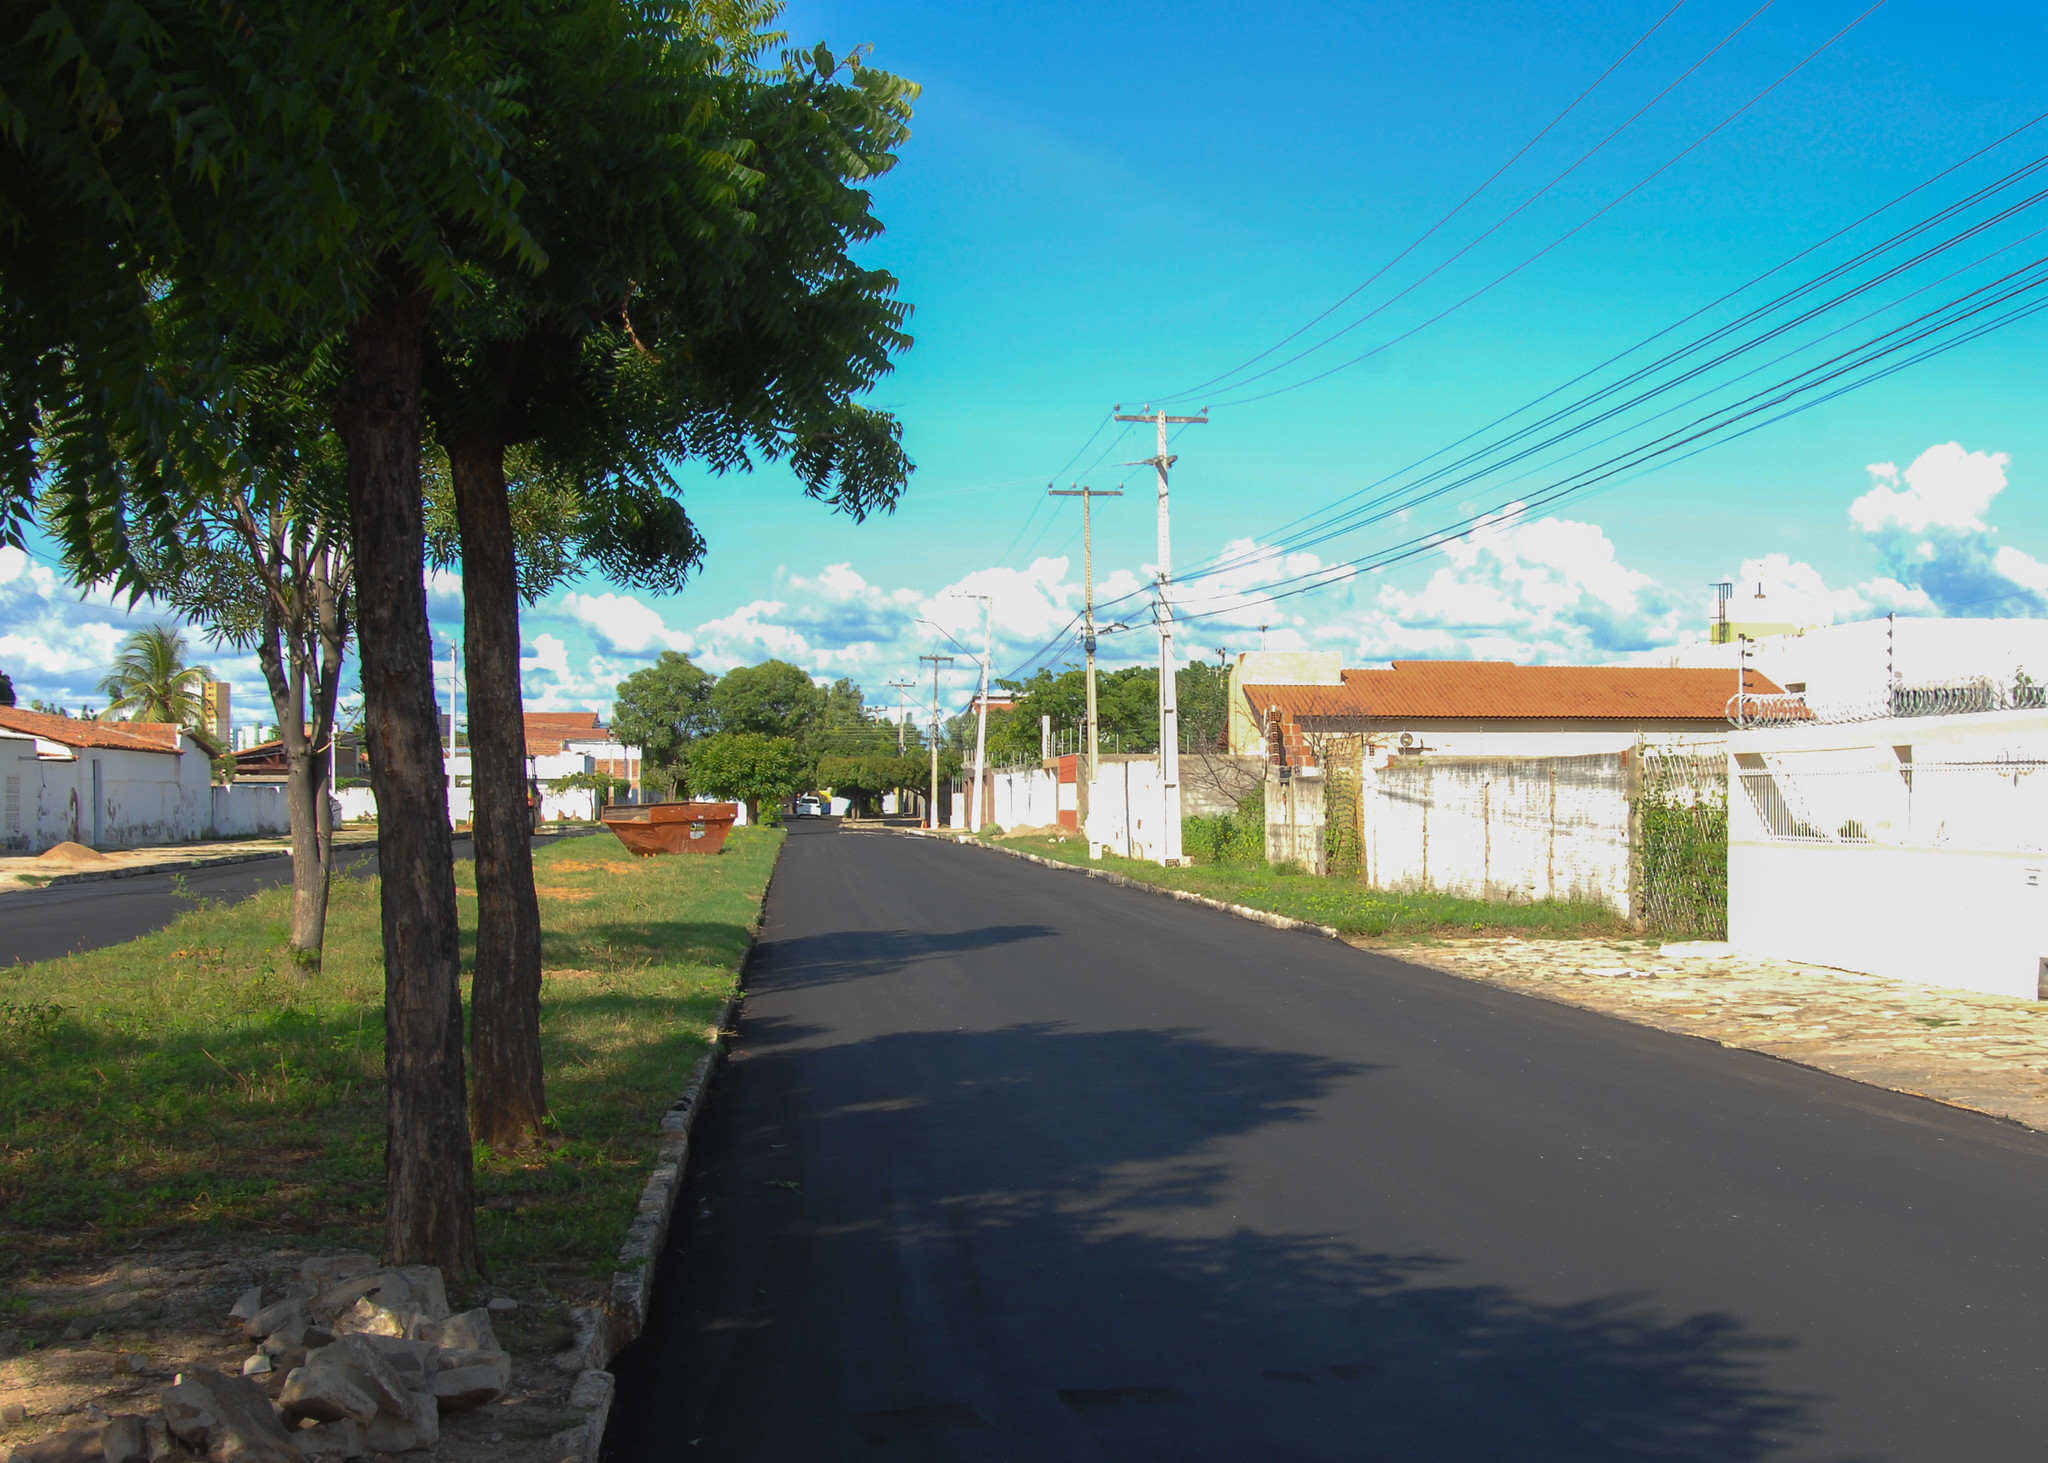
{"type": "Point", "coordinates": [6, 690]}
{"type": "Point", "coordinates": [748, 766]}
{"type": "Point", "coordinates": [170, 171]}
{"type": "Point", "coordinates": [151, 682]}
{"type": "Point", "coordinates": [773, 698]}
{"type": "Point", "coordinates": [664, 709]}
{"type": "Point", "coordinates": [700, 301]}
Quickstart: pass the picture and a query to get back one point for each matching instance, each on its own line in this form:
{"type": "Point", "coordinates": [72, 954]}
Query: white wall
{"type": "Point", "coordinates": [144, 797]}
{"type": "Point", "coordinates": [1910, 848]}
{"type": "Point", "coordinates": [249, 810]}
{"type": "Point", "coordinates": [21, 782]}
{"type": "Point", "coordinates": [1125, 809]}
{"type": "Point", "coordinates": [1505, 828]}
{"type": "Point", "coordinates": [1025, 797]}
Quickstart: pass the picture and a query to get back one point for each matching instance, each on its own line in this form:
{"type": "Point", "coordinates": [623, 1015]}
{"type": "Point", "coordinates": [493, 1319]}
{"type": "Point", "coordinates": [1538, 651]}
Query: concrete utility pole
{"type": "Point", "coordinates": [933, 812]}
{"type": "Point", "coordinates": [976, 814]}
{"type": "Point", "coordinates": [1169, 705]}
{"type": "Point", "coordinates": [900, 687]}
{"type": "Point", "coordinates": [1087, 497]}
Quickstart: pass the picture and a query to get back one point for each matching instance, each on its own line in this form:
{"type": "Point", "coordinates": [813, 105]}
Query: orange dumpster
{"type": "Point", "coordinates": [651, 828]}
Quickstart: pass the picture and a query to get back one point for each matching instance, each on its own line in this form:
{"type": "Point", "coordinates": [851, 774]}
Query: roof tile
{"type": "Point", "coordinates": [71, 731]}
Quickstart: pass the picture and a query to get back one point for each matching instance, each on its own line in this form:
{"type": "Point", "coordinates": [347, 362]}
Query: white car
{"type": "Point", "coordinates": [808, 806]}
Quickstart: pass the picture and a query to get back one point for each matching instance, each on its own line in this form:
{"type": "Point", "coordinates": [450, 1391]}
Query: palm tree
{"type": "Point", "coordinates": [151, 682]}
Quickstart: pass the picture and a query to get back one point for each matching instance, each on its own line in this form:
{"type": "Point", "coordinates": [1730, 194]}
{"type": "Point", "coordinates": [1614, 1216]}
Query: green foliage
{"type": "Point", "coordinates": [1684, 860]}
{"type": "Point", "coordinates": [150, 680]}
{"type": "Point", "coordinates": [772, 699]}
{"type": "Point", "coordinates": [759, 770]}
{"type": "Point", "coordinates": [664, 708]}
{"type": "Point", "coordinates": [6, 690]}
{"type": "Point", "coordinates": [1230, 838]}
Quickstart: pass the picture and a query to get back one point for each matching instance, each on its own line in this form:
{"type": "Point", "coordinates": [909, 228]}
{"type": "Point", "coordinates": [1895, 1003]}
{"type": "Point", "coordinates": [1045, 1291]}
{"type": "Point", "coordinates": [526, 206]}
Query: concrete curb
{"type": "Point", "coordinates": [1124, 881]}
{"type": "Point", "coordinates": [603, 1331]}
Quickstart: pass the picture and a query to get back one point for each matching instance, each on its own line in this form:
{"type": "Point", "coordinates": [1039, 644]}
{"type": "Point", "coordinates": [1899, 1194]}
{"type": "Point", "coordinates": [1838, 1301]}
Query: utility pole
{"type": "Point", "coordinates": [900, 687]}
{"type": "Point", "coordinates": [933, 813]}
{"type": "Point", "coordinates": [1088, 497]}
{"type": "Point", "coordinates": [976, 813]}
{"type": "Point", "coordinates": [1169, 705]}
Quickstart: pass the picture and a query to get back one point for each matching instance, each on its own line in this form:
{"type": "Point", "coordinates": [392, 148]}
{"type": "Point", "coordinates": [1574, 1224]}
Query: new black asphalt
{"type": "Point", "coordinates": [1012, 1164]}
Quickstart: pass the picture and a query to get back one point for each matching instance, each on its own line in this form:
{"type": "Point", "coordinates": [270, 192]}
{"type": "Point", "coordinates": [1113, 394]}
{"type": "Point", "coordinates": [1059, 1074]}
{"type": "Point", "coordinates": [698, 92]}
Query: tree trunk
{"type": "Point", "coordinates": [312, 869]}
{"type": "Point", "coordinates": [508, 1093]}
{"type": "Point", "coordinates": [430, 1214]}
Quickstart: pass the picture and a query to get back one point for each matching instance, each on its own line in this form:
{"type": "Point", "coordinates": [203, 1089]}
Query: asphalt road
{"type": "Point", "coordinates": [42, 924]}
{"type": "Point", "coordinates": [1009, 1164]}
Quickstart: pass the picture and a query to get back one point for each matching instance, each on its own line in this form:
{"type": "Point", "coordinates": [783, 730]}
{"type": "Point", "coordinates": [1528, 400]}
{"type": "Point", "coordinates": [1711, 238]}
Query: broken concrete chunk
{"type": "Point", "coordinates": [281, 1316]}
{"type": "Point", "coordinates": [418, 1427]}
{"type": "Point", "coordinates": [73, 1445]}
{"type": "Point", "coordinates": [324, 1270]}
{"type": "Point", "coordinates": [471, 1378]}
{"type": "Point", "coordinates": [425, 1290]}
{"type": "Point", "coordinates": [338, 1297]}
{"type": "Point", "coordinates": [366, 1317]}
{"type": "Point", "coordinates": [227, 1416]}
{"type": "Point", "coordinates": [351, 1378]}
{"type": "Point", "coordinates": [498, 1361]}
{"type": "Point", "coordinates": [256, 1365]}
{"type": "Point", "coordinates": [593, 1391]}
{"type": "Point", "coordinates": [125, 1440]}
{"type": "Point", "coordinates": [250, 1303]}
{"type": "Point", "coordinates": [161, 1447]}
{"type": "Point", "coordinates": [500, 1305]}
{"type": "Point", "coordinates": [415, 1362]}
{"type": "Point", "coordinates": [338, 1440]}
{"type": "Point", "coordinates": [470, 1331]}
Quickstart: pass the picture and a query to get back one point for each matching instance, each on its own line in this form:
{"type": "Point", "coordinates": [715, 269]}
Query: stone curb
{"type": "Point", "coordinates": [1124, 881]}
{"type": "Point", "coordinates": [603, 1331]}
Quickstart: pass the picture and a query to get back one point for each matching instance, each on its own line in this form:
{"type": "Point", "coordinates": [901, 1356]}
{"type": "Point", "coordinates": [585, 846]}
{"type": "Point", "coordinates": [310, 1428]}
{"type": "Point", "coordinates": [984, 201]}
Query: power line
{"type": "Point", "coordinates": [1318, 523]}
{"type": "Point", "coordinates": [1430, 232]}
{"type": "Point", "coordinates": [1570, 233]}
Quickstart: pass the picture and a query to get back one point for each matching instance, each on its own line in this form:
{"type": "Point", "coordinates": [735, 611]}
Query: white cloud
{"type": "Point", "coordinates": [1945, 487]}
{"type": "Point", "coordinates": [622, 623]}
{"type": "Point", "coordinates": [1931, 530]}
{"type": "Point", "coordinates": [1517, 588]}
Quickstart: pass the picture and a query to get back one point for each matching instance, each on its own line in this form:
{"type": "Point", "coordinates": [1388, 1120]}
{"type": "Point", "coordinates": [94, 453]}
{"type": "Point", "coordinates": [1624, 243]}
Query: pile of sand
{"type": "Point", "coordinates": [68, 852]}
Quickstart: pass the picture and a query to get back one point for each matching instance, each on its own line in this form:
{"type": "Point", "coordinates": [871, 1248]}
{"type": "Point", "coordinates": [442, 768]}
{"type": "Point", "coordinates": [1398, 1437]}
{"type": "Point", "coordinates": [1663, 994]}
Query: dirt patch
{"type": "Point", "coordinates": [572, 975]}
{"type": "Point", "coordinates": [561, 892]}
{"type": "Point", "coordinates": [112, 1333]}
{"type": "Point", "coordinates": [68, 852]}
{"type": "Point", "coordinates": [600, 866]}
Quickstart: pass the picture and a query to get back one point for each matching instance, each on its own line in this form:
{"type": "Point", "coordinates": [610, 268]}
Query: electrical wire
{"type": "Point", "coordinates": [1431, 231]}
{"type": "Point", "coordinates": [1561, 239]}
{"type": "Point", "coordinates": [1300, 529]}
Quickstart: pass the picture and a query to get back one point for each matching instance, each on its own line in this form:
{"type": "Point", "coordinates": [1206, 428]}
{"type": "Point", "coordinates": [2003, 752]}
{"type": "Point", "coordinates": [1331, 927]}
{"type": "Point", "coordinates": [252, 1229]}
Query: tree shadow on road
{"type": "Point", "coordinates": [810, 960]}
{"type": "Point", "coordinates": [1026, 1243]}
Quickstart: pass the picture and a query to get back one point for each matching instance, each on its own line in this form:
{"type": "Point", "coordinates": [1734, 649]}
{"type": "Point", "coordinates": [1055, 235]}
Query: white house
{"type": "Point", "coordinates": [105, 784]}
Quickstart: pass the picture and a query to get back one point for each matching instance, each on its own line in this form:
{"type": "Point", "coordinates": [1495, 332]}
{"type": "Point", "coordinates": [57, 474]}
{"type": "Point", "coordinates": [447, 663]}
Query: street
{"type": "Point", "coordinates": [1012, 1164]}
{"type": "Point", "coordinates": [43, 924]}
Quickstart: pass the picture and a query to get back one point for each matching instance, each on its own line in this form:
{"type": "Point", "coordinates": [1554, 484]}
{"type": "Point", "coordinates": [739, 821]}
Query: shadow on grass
{"type": "Point", "coordinates": [1026, 1243]}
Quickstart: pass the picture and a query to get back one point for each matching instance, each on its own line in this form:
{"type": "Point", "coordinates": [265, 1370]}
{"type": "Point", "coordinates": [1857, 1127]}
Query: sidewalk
{"type": "Point", "coordinates": [1985, 1053]}
{"type": "Point", "coordinates": [33, 871]}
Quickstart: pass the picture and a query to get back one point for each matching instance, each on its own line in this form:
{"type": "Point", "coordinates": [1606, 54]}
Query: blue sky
{"type": "Point", "coordinates": [1102, 206]}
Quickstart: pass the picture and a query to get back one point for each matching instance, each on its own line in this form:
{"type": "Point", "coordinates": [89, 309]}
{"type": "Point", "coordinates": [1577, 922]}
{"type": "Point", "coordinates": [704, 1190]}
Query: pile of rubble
{"type": "Point", "coordinates": [354, 1360]}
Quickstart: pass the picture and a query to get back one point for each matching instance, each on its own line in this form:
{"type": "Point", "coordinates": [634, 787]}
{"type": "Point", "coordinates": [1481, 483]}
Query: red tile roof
{"type": "Point", "coordinates": [69, 731]}
{"type": "Point", "coordinates": [549, 732]}
{"type": "Point", "coordinates": [1499, 690]}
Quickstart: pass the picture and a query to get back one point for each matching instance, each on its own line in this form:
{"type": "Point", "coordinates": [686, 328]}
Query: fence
{"type": "Point", "coordinates": [2000, 803]}
{"type": "Point", "coordinates": [1679, 841]}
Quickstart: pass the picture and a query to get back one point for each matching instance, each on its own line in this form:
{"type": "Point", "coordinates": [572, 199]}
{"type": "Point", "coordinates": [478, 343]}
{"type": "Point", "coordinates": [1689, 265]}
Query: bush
{"type": "Point", "coordinates": [1228, 838]}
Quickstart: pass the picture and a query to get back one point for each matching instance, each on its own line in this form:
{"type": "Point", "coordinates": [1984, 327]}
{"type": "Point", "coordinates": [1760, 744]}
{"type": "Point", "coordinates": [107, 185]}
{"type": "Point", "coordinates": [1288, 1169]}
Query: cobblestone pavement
{"type": "Point", "coordinates": [1986, 1053]}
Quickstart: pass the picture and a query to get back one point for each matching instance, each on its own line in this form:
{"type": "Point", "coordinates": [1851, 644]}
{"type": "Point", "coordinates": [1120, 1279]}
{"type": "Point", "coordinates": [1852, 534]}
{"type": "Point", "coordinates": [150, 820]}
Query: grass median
{"type": "Point", "coordinates": [1350, 908]}
{"type": "Point", "coordinates": [199, 1080]}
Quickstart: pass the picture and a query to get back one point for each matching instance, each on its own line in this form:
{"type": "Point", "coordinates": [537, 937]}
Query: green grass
{"type": "Point", "coordinates": [198, 1081]}
{"type": "Point", "coordinates": [1348, 907]}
